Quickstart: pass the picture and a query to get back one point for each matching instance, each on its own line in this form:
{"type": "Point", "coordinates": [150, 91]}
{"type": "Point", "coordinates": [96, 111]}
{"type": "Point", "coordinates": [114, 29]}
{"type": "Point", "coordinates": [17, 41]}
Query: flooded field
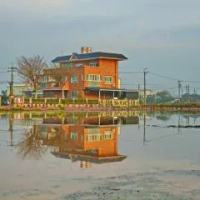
{"type": "Point", "coordinates": [121, 155]}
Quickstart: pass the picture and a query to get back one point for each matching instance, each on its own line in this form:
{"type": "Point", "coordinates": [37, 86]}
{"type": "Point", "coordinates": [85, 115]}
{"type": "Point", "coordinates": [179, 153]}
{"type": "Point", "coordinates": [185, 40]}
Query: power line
{"type": "Point", "coordinates": [167, 77]}
{"type": "Point", "coordinates": [159, 75]}
{"type": "Point", "coordinates": [174, 79]}
{"type": "Point", "coordinates": [137, 72]}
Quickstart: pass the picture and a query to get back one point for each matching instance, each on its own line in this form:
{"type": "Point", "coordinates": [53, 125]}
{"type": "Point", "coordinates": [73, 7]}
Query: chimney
{"type": "Point", "coordinates": [86, 49]}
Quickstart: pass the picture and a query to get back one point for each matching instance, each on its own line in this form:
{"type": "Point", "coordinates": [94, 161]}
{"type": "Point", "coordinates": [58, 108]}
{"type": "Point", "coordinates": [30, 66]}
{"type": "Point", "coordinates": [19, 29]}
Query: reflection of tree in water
{"type": "Point", "coordinates": [30, 146]}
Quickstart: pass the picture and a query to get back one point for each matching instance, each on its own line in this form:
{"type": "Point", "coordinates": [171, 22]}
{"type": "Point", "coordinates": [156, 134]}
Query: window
{"type": "Point", "coordinates": [93, 131]}
{"type": "Point", "coordinates": [74, 79]}
{"type": "Point", "coordinates": [74, 136]}
{"type": "Point", "coordinates": [93, 64]}
{"type": "Point", "coordinates": [108, 79]}
{"type": "Point", "coordinates": [66, 65]}
{"type": "Point", "coordinates": [74, 94]}
{"type": "Point", "coordinates": [46, 79]}
{"type": "Point", "coordinates": [108, 135]}
{"type": "Point", "coordinates": [93, 77]}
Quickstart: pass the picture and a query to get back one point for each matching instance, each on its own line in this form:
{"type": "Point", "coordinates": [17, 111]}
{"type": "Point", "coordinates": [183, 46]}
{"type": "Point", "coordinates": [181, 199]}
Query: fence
{"type": "Point", "coordinates": [52, 101]}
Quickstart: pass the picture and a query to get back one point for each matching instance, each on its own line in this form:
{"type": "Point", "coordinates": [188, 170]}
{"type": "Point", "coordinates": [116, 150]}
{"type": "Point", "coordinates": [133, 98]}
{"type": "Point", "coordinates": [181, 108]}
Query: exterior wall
{"type": "Point", "coordinates": [79, 86]}
{"type": "Point", "coordinates": [105, 68]}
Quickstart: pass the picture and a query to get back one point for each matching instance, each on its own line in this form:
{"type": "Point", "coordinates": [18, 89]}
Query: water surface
{"type": "Point", "coordinates": [121, 155]}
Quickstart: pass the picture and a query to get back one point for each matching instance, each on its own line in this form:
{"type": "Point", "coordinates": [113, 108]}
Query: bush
{"type": "Point", "coordinates": [26, 100]}
{"type": "Point", "coordinates": [52, 101]}
{"type": "Point", "coordinates": [37, 100]}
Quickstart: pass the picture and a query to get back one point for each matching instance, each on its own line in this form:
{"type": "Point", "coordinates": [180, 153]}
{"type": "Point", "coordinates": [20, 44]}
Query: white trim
{"type": "Point", "coordinates": [71, 58]}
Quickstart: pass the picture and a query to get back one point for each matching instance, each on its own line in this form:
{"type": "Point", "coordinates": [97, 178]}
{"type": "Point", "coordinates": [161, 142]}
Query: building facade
{"type": "Point", "coordinates": [88, 75]}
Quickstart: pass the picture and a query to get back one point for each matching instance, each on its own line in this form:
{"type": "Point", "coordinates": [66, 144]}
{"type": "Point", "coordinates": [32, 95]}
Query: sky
{"type": "Point", "coordinates": [161, 35]}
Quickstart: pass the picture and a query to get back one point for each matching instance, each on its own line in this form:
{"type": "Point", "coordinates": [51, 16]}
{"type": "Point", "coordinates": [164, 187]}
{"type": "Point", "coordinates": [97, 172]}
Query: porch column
{"type": "Point", "coordinates": [113, 94]}
{"type": "Point", "coordinates": [99, 95]}
{"type": "Point", "coordinates": [63, 94]}
{"type": "Point", "coordinates": [99, 119]}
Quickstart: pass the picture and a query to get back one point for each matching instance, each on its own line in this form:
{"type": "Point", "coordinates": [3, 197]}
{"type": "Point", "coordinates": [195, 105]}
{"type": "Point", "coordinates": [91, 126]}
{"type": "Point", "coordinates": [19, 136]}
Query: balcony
{"type": "Point", "coordinates": [54, 86]}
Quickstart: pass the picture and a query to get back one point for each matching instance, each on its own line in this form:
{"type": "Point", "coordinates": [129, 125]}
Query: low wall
{"type": "Point", "coordinates": [45, 102]}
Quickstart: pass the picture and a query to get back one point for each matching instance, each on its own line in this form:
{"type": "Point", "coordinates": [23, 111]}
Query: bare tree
{"type": "Point", "coordinates": [30, 146]}
{"type": "Point", "coordinates": [30, 70]}
{"type": "Point", "coordinates": [59, 78]}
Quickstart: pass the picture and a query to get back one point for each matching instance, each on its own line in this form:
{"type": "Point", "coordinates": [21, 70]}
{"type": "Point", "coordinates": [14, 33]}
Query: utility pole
{"type": "Point", "coordinates": [12, 69]}
{"type": "Point", "coordinates": [188, 92]}
{"type": "Point", "coordinates": [179, 91]}
{"type": "Point", "coordinates": [139, 94]}
{"type": "Point", "coordinates": [138, 87]}
{"type": "Point", "coordinates": [145, 97]}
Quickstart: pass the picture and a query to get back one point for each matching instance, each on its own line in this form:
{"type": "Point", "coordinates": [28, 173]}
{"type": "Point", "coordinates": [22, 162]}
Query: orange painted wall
{"type": "Point", "coordinates": [107, 67]}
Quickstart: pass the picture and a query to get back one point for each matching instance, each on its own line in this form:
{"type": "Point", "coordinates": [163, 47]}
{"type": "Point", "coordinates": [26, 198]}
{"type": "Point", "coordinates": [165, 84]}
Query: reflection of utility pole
{"type": "Point", "coordinates": [179, 122]}
{"type": "Point", "coordinates": [11, 131]}
{"type": "Point", "coordinates": [145, 97]}
{"type": "Point", "coordinates": [144, 136]}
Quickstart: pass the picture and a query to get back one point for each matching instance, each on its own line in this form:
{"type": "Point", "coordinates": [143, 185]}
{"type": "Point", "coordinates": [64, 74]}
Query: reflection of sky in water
{"type": "Point", "coordinates": [171, 146]}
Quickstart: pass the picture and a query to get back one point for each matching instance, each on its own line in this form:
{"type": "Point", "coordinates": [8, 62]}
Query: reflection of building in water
{"type": "Point", "coordinates": [89, 140]}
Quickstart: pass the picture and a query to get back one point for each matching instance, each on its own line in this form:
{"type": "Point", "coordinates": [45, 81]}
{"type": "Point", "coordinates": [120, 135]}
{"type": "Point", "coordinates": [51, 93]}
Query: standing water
{"type": "Point", "coordinates": [108, 155]}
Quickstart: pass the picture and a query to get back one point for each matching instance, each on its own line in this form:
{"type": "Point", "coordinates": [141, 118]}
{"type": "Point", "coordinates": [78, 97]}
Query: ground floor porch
{"type": "Point", "coordinates": [105, 93]}
{"type": "Point", "coordinates": [92, 94]}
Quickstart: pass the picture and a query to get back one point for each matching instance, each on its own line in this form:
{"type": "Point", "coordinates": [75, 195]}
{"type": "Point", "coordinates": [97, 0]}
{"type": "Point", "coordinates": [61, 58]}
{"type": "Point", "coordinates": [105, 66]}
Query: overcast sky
{"type": "Point", "coordinates": [162, 35]}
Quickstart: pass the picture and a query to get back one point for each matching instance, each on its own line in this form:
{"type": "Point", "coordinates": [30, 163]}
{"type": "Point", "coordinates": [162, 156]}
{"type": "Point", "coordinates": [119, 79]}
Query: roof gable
{"type": "Point", "coordinates": [74, 56]}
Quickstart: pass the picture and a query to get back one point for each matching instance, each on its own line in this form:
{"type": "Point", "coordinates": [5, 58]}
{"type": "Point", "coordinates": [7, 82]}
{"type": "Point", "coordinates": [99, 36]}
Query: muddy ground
{"type": "Point", "coordinates": [157, 185]}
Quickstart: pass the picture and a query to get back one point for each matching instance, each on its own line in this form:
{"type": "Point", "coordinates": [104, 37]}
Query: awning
{"type": "Point", "coordinates": [53, 89]}
{"type": "Point", "coordinates": [109, 89]}
{"type": "Point", "coordinates": [104, 89]}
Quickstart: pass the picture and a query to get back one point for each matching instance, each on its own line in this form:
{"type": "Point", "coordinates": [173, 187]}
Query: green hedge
{"type": "Point", "coordinates": [38, 100]}
{"type": "Point", "coordinates": [52, 101]}
{"type": "Point", "coordinates": [26, 100]}
{"type": "Point", "coordinates": [81, 101]}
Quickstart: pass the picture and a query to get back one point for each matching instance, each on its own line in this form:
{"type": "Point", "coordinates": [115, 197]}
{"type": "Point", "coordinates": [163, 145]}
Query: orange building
{"type": "Point", "coordinates": [88, 75]}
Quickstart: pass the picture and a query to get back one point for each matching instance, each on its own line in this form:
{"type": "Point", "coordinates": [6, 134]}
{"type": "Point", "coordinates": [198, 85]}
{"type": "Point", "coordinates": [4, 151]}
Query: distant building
{"type": "Point", "coordinates": [20, 90]}
{"type": "Point", "coordinates": [24, 90]}
{"type": "Point", "coordinates": [148, 93]}
{"type": "Point", "coordinates": [87, 75]}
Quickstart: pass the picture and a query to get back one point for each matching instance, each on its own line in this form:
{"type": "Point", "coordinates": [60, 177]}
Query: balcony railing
{"type": "Point", "coordinates": [54, 85]}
